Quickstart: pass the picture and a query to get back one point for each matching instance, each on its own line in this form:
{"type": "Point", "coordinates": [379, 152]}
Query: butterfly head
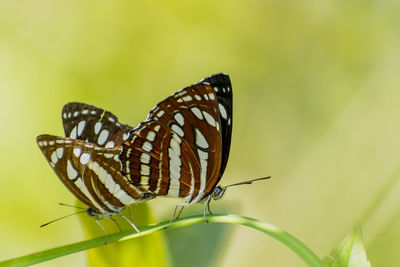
{"type": "Point", "coordinates": [91, 212]}
{"type": "Point", "coordinates": [98, 215]}
{"type": "Point", "coordinates": [218, 192]}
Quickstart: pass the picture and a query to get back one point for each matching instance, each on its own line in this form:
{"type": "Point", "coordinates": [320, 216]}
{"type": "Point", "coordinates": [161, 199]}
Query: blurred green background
{"type": "Point", "coordinates": [316, 106]}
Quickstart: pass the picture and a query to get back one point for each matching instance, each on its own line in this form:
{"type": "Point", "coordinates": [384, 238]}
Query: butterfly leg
{"type": "Point", "coordinates": [207, 206]}
{"type": "Point", "coordinates": [104, 230]}
{"type": "Point", "coordinates": [130, 213]}
{"type": "Point", "coordinates": [174, 216]}
{"type": "Point", "coordinates": [180, 212]}
{"type": "Point", "coordinates": [131, 223]}
{"type": "Point", "coordinates": [209, 210]}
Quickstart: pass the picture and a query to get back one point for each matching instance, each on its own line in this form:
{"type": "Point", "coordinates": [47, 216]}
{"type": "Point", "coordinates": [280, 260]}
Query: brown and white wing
{"type": "Point", "coordinates": [157, 159]}
{"type": "Point", "coordinates": [180, 147]}
{"type": "Point", "coordinates": [91, 173]}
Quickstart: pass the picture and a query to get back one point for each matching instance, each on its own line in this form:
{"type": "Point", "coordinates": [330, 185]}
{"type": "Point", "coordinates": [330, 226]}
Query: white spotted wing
{"type": "Point", "coordinates": [94, 125]}
{"type": "Point", "coordinates": [92, 173]}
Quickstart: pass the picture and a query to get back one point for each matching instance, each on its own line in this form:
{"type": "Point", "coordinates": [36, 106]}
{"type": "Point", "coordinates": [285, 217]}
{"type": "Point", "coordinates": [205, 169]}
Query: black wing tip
{"type": "Point", "coordinates": [72, 106]}
{"type": "Point", "coordinates": [47, 137]}
{"type": "Point", "coordinates": [218, 80]}
{"type": "Point", "coordinates": [42, 136]}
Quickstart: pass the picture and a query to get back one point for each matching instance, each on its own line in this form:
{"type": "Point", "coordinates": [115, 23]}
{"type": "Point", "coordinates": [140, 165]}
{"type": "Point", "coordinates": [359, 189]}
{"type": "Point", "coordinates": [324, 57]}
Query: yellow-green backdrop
{"type": "Point", "coordinates": [316, 106]}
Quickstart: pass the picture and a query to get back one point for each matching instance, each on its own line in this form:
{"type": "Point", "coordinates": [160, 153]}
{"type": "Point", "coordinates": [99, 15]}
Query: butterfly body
{"type": "Point", "coordinates": [180, 151]}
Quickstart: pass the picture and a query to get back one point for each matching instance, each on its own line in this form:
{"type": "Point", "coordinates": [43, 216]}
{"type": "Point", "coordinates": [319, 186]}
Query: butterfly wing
{"type": "Point", "coordinates": [222, 87]}
{"type": "Point", "coordinates": [91, 173]}
{"type": "Point", "coordinates": [94, 125]}
{"type": "Point", "coordinates": [187, 152]}
{"type": "Point", "coordinates": [158, 159]}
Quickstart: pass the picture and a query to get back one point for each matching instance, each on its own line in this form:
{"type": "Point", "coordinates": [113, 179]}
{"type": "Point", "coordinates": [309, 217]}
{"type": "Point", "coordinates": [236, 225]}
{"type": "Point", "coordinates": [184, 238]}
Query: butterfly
{"type": "Point", "coordinates": [181, 150]}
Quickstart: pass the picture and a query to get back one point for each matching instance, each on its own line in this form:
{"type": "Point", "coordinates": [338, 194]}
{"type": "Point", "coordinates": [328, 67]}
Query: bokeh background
{"type": "Point", "coordinates": [316, 106]}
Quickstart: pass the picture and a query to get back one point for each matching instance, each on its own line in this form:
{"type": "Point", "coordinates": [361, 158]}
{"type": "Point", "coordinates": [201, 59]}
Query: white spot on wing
{"type": "Point", "coordinates": [81, 126]}
{"type": "Point", "coordinates": [54, 157]}
{"type": "Point", "coordinates": [187, 98]}
{"type": "Point", "coordinates": [203, 174]}
{"type": "Point", "coordinates": [103, 136]}
{"type": "Point", "coordinates": [71, 172]}
{"type": "Point", "coordinates": [110, 144]}
{"type": "Point", "coordinates": [97, 127]}
{"type": "Point", "coordinates": [160, 114]}
{"type": "Point", "coordinates": [84, 159]}
{"type": "Point", "coordinates": [73, 133]}
{"type": "Point", "coordinates": [60, 152]}
{"type": "Point", "coordinates": [177, 129]}
{"type": "Point", "coordinates": [174, 173]}
{"type": "Point", "coordinates": [151, 136]}
{"type": "Point", "coordinates": [209, 118]}
{"type": "Point", "coordinates": [177, 138]}
{"type": "Point", "coordinates": [197, 112]}
{"type": "Point", "coordinates": [102, 173]}
{"type": "Point", "coordinates": [222, 111]}
{"type": "Point", "coordinates": [200, 139]}
{"type": "Point", "coordinates": [109, 182]}
{"type": "Point", "coordinates": [145, 158]}
{"type": "Point", "coordinates": [179, 118]}
{"type": "Point", "coordinates": [125, 136]}
{"type": "Point", "coordinates": [175, 146]}
{"type": "Point", "coordinates": [189, 196]}
{"type": "Point", "coordinates": [77, 151]}
{"type": "Point", "coordinates": [147, 146]}
{"type": "Point", "coordinates": [144, 169]}
{"type": "Point", "coordinates": [125, 198]}
{"type": "Point", "coordinates": [144, 180]}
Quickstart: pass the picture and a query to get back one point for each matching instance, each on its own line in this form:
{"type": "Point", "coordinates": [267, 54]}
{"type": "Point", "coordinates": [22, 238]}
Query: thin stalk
{"type": "Point", "coordinates": [287, 239]}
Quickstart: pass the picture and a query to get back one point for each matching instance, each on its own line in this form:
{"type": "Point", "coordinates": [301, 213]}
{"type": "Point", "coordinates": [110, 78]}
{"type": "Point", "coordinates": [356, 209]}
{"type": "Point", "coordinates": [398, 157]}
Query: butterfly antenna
{"type": "Point", "coordinates": [43, 225]}
{"type": "Point", "coordinates": [249, 181]}
{"type": "Point", "coordinates": [72, 206]}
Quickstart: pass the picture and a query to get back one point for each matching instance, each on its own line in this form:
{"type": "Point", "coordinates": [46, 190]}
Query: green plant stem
{"type": "Point", "coordinates": [290, 241]}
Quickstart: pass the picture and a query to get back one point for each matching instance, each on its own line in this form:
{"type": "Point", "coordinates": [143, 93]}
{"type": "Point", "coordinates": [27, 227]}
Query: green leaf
{"type": "Point", "coordinates": [205, 251]}
{"type": "Point", "coordinates": [350, 253]}
{"type": "Point", "coordinates": [150, 250]}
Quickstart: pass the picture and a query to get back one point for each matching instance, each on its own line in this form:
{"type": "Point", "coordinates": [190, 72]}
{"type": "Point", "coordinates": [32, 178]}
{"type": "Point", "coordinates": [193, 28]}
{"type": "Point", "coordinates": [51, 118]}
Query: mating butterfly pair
{"type": "Point", "coordinates": [180, 150]}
